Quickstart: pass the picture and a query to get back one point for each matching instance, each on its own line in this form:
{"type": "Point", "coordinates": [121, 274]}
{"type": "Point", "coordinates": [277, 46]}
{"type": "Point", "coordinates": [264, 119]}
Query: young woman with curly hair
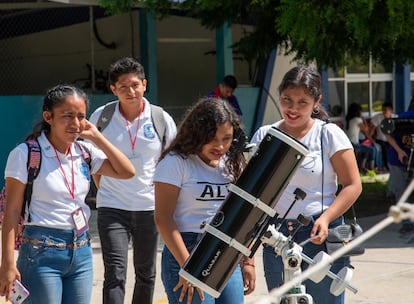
{"type": "Point", "coordinates": [190, 185]}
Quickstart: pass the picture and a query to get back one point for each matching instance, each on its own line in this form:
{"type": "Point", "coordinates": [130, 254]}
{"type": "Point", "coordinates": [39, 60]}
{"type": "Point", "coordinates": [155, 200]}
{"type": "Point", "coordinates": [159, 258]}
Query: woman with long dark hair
{"type": "Point", "coordinates": [190, 185]}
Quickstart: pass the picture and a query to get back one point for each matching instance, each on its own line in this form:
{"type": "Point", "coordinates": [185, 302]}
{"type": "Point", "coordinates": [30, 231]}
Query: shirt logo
{"type": "Point", "coordinates": [149, 131]}
{"type": "Point", "coordinates": [85, 171]}
{"type": "Point", "coordinates": [213, 192]}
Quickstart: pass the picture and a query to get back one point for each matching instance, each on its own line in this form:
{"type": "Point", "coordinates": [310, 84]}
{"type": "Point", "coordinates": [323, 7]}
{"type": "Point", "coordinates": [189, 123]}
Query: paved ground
{"type": "Point", "coordinates": [383, 275]}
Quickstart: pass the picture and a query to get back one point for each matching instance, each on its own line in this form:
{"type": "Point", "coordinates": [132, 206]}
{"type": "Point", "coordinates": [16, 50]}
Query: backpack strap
{"type": "Point", "coordinates": [157, 117]}
{"type": "Point", "coordinates": [34, 160]}
{"type": "Point", "coordinates": [85, 153]}
{"type": "Point", "coordinates": [106, 115]}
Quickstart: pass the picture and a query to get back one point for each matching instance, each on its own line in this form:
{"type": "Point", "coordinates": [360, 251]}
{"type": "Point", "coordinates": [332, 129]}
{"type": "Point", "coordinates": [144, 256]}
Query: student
{"type": "Point", "coordinates": [380, 138]}
{"type": "Point", "coordinates": [399, 156]}
{"type": "Point", "coordinates": [126, 207]}
{"type": "Point", "coordinates": [331, 160]}
{"type": "Point", "coordinates": [207, 151]}
{"type": "Point", "coordinates": [55, 258]}
{"type": "Point", "coordinates": [225, 90]}
{"type": "Point", "coordinates": [357, 127]}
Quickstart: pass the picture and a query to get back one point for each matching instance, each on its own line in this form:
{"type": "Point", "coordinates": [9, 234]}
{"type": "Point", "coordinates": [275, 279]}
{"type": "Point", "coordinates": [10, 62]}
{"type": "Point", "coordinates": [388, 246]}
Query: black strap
{"type": "Point", "coordinates": [34, 160]}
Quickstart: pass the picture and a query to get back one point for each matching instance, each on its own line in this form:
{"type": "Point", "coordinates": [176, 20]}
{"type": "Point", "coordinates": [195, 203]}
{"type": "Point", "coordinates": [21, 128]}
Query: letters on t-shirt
{"type": "Point", "coordinates": [213, 191]}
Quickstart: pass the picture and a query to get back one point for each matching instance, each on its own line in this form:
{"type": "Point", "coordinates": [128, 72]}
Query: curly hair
{"type": "Point", "coordinates": [199, 126]}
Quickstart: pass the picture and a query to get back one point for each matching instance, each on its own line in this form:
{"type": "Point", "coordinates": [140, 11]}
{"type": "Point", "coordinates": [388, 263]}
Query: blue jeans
{"type": "Point", "coordinates": [116, 227]}
{"type": "Point", "coordinates": [273, 265]}
{"type": "Point", "coordinates": [55, 275]}
{"type": "Point", "coordinates": [233, 292]}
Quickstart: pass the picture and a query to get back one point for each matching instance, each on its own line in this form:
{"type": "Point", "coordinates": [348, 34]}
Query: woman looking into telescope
{"type": "Point", "coordinates": [191, 182]}
{"type": "Point", "coordinates": [331, 160]}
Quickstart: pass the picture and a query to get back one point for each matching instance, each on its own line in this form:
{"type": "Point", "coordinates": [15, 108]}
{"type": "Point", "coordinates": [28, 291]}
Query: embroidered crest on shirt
{"type": "Point", "coordinates": [149, 131]}
{"type": "Point", "coordinates": [85, 171]}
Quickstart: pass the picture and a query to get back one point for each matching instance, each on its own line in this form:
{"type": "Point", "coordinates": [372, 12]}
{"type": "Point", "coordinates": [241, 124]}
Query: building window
{"type": "Point", "coordinates": [369, 85]}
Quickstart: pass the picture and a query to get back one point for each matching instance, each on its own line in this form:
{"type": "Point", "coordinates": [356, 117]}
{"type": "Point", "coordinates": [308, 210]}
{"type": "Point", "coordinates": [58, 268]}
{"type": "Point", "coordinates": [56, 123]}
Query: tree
{"type": "Point", "coordinates": [330, 32]}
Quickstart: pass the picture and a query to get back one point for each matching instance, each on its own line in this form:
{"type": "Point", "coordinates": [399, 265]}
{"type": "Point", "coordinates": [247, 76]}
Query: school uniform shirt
{"type": "Point", "coordinates": [52, 204]}
{"type": "Point", "coordinates": [308, 176]}
{"type": "Point", "coordinates": [202, 189]}
{"type": "Point", "coordinates": [136, 193]}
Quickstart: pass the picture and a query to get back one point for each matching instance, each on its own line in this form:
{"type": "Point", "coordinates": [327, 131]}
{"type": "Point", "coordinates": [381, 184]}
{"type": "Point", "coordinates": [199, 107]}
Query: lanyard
{"type": "Point", "coordinates": [133, 140]}
{"type": "Point", "coordinates": [70, 189]}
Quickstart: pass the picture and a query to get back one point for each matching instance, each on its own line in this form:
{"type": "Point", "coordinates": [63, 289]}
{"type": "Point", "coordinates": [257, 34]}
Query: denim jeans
{"type": "Point", "coordinates": [273, 265]}
{"type": "Point", "coordinates": [116, 227]}
{"type": "Point", "coordinates": [233, 292]}
{"type": "Point", "coordinates": [398, 180]}
{"type": "Point", "coordinates": [55, 275]}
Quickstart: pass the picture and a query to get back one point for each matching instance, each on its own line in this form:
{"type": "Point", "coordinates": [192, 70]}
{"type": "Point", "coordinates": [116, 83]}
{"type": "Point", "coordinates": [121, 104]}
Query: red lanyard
{"type": "Point", "coordinates": [134, 140]}
{"type": "Point", "coordinates": [70, 189]}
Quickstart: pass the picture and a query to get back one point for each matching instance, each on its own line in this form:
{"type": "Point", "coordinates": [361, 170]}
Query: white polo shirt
{"type": "Point", "coordinates": [136, 193]}
{"type": "Point", "coordinates": [52, 204]}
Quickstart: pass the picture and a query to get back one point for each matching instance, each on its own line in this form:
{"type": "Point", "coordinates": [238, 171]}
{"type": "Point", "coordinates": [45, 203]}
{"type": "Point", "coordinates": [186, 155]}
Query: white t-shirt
{"type": "Point", "coordinates": [376, 121]}
{"type": "Point", "coordinates": [354, 130]}
{"type": "Point", "coordinates": [308, 176]}
{"type": "Point", "coordinates": [51, 204]}
{"type": "Point", "coordinates": [136, 193]}
{"type": "Point", "coordinates": [202, 189]}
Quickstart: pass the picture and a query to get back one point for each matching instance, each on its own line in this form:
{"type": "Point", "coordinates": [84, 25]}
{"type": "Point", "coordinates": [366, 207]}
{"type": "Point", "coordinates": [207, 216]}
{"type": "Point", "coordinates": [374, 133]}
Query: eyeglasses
{"type": "Point", "coordinates": [125, 88]}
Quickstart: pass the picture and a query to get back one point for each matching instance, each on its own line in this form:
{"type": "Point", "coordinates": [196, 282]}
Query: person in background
{"type": "Point", "coordinates": [206, 154]}
{"type": "Point", "coordinates": [331, 160]}
{"type": "Point", "coordinates": [55, 258]}
{"type": "Point", "coordinates": [126, 207]}
{"type": "Point", "coordinates": [337, 116]}
{"type": "Point", "coordinates": [225, 90]}
{"type": "Point", "coordinates": [401, 172]}
{"type": "Point", "coordinates": [380, 138]}
{"type": "Point", "coordinates": [358, 132]}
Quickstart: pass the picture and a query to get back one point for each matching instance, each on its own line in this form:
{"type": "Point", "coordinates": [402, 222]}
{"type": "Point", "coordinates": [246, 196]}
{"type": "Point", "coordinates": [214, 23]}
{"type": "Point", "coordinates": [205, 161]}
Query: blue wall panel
{"type": "Point", "coordinates": [20, 114]}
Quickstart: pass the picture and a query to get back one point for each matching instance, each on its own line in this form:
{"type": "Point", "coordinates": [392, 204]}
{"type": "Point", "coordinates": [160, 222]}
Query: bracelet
{"type": "Point", "coordinates": [245, 263]}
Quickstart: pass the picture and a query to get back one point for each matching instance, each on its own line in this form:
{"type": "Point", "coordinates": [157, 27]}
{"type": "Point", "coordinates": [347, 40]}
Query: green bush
{"type": "Point", "coordinates": [372, 201]}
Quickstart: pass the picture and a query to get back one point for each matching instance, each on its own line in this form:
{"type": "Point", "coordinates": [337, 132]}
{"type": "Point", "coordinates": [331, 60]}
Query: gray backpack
{"type": "Point", "coordinates": [157, 118]}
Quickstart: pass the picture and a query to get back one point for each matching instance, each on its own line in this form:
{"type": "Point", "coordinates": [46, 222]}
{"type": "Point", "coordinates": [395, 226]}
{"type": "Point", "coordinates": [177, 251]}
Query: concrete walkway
{"type": "Point", "coordinates": [383, 275]}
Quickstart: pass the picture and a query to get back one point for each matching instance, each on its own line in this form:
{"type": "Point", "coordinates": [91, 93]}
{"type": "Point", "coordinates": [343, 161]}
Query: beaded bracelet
{"type": "Point", "coordinates": [245, 263]}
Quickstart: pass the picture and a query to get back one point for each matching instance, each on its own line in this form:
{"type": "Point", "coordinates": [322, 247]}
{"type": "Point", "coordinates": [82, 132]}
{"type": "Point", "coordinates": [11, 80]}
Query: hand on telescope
{"type": "Point", "coordinates": [187, 288]}
{"type": "Point", "coordinates": [249, 276]}
{"type": "Point", "coordinates": [319, 231]}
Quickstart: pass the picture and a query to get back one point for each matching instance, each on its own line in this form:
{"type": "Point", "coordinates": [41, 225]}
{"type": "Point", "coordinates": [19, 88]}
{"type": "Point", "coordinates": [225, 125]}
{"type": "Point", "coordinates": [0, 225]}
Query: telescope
{"type": "Point", "coordinates": [236, 228]}
{"type": "Point", "coordinates": [394, 126]}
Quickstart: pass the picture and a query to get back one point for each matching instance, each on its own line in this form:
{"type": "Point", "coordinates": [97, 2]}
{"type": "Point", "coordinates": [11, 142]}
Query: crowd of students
{"type": "Point", "coordinates": [153, 181]}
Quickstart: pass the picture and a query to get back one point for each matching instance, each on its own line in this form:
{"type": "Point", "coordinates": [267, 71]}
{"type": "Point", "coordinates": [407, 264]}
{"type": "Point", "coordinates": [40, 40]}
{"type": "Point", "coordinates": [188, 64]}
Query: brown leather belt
{"type": "Point", "coordinates": [50, 244]}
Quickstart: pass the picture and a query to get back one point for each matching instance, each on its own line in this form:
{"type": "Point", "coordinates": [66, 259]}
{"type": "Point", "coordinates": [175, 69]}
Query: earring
{"type": "Point", "coordinates": [316, 110]}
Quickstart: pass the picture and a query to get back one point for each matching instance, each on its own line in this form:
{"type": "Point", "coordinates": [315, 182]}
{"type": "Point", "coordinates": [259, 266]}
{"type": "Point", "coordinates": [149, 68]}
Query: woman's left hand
{"type": "Point", "coordinates": [319, 231]}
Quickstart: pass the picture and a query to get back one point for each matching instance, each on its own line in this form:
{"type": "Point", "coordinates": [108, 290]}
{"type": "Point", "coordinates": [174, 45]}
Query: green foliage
{"type": "Point", "coordinates": [372, 201]}
{"type": "Point", "coordinates": [330, 32]}
{"type": "Point", "coordinates": [333, 32]}
{"type": "Point", "coordinates": [117, 6]}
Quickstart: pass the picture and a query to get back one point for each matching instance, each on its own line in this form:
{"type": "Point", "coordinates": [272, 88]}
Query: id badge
{"type": "Point", "coordinates": [18, 294]}
{"type": "Point", "coordinates": [79, 220]}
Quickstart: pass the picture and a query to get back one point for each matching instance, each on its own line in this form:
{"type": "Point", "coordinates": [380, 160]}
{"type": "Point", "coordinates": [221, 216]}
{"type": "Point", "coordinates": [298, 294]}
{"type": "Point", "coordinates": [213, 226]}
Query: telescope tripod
{"type": "Point", "coordinates": [292, 256]}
